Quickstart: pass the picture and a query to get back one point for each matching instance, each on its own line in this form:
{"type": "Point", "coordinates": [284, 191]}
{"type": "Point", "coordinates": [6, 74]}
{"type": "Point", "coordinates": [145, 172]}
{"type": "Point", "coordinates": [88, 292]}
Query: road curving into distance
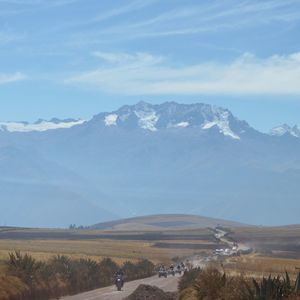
{"type": "Point", "coordinates": [168, 284]}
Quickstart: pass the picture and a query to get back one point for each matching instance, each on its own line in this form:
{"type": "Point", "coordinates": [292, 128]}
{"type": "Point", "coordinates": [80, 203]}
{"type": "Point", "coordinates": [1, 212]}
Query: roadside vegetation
{"type": "Point", "coordinates": [23, 277]}
{"type": "Point", "coordinates": [212, 283]}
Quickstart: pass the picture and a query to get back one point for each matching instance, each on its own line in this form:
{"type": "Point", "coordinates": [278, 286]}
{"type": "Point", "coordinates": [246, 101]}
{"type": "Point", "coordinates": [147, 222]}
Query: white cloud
{"type": "Point", "coordinates": [211, 16]}
{"type": "Point", "coordinates": [140, 58]}
{"type": "Point", "coordinates": [129, 8]}
{"type": "Point", "coordinates": [106, 15]}
{"type": "Point", "coordinates": [9, 78]}
{"type": "Point", "coordinates": [141, 74]}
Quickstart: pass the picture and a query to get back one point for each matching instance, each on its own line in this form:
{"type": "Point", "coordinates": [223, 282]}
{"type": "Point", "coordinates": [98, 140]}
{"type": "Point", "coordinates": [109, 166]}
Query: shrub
{"type": "Point", "coordinates": [62, 275]}
{"type": "Point", "coordinates": [273, 288]}
{"type": "Point", "coordinates": [213, 284]}
{"type": "Point", "coordinates": [188, 279]}
{"type": "Point", "coordinates": [209, 284]}
{"type": "Point", "coordinates": [22, 266]}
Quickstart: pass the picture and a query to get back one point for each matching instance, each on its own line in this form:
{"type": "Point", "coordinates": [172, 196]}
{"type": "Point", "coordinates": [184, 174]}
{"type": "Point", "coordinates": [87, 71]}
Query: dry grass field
{"type": "Point", "coordinates": [257, 266]}
{"type": "Point", "coordinates": [276, 249]}
{"type": "Point", "coordinates": [120, 246]}
{"type": "Point", "coordinates": [281, 242]}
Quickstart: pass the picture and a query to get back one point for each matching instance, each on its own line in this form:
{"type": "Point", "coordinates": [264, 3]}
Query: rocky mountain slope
{"type": "Point", "coordinates": [148, 159]}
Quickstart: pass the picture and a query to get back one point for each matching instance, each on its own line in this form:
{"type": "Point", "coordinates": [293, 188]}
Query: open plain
{"type": "Point", "coordinates": [166, 239]}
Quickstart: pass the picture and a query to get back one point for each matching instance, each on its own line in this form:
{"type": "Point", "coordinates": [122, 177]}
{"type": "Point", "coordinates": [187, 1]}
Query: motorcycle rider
{"type": "Point", "coordinates": [172, 271]}
{"type": "Point", "coordinates": [162, 268]}
{"type": "Point", "coordinates": [119, 274]}
{"type": "Point", "coordinates": [183, 267]}
{"type": "Point", "coordinates": [162, 271]}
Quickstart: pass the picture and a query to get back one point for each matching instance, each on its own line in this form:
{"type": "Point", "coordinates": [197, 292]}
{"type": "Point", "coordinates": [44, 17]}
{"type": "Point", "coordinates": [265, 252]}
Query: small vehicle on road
{"type": "Point", "coordinates": [178, 269]}
{"type": "Point", "coordinates": [162, 272]}
{"type": "Point", "coordinates": [171, 270]}
{"type": "Point", "coordinates": [183, 267]}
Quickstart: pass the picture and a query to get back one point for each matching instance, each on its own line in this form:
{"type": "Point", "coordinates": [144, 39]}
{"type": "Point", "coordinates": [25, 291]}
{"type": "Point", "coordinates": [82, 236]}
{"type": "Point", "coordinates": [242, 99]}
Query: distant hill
{"type": "Point", "coordinates": [164, 222]}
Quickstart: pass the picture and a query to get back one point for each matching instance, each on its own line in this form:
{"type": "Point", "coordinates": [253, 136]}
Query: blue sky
{"type": "Point", "coordinates": [75, 58]}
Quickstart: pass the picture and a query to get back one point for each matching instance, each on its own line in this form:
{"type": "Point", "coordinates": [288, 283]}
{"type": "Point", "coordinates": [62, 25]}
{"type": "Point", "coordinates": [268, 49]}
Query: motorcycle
{"type": "Point", "coordinates": [119, 282]}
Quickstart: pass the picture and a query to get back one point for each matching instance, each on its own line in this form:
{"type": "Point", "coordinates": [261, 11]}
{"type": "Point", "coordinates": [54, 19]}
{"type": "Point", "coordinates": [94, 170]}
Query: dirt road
{"type": "Point", "coordinates": [167, 284]}
{"type": "Point", "coordinates": [202, 262]}
{"type": "Point", "coordinates": [110, 293]}
{"type": "Point", "coordinates": [221, 235]}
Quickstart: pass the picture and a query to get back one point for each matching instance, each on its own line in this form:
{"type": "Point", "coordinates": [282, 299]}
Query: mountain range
{"type": "Point", "coordinates": [148, 159]}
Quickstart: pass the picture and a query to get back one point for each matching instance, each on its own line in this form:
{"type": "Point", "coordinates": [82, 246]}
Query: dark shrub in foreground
{"type": "Point", "coordinates": [27, 278]}
{"type": "Point", "coordinates": [211, 284]}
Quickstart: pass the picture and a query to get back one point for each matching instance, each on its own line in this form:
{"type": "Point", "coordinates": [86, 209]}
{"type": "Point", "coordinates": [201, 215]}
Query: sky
{"type": "Point", "coordinates": [76, 58]}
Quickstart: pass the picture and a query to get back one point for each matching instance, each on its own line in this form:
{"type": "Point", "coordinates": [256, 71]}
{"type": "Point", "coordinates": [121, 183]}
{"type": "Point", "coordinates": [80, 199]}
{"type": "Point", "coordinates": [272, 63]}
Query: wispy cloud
{"type": "Point", "coordinates": [246, 75]}
{"type": "Point", "coordinates": [206, 17]}
{"type": "Point", "coordinates": [15, 7]}
{"type": "Point", "coordinates": [9, 36]}
{"type": "Point", "coordinates": [139, 58]}
{"type": "Point", "coordinates": [128, 8]}
{"type": "Point", "coordinates": [38, 3]}
{"type": "Point", "coordinates": [9, 78]}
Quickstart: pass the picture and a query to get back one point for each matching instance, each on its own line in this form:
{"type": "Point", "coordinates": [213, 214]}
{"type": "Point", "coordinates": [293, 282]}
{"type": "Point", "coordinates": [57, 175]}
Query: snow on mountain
{"type": "Point", "coordinates": [181, 125]}
{"type": "Point", "coordinates": [40, 125]}
{"type": "Point", "coordinates": [285, 129]}
{"type": "Point", "coordinates": [147, 119]}
{"type": "Point", "coordinates": [173, 115]}
{"type": "Point", "coordinates": [150, 117]}
{"type": "Point", "coordinates": [110, 120]}
{"type": "Point", "coordinates": [221, 120]}
{"type": "Point", "coordinates": [148, 158]}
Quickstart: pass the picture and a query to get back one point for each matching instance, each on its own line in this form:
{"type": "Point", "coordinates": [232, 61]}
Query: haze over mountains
{"type": "Point", "coordinates": [40, 125]}
{"type": "Point", "coordinates": [148, 159]}
{"type": "Point", "coordinates": [286, 130]}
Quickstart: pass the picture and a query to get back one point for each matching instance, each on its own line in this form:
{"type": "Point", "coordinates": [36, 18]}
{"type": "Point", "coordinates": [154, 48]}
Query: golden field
{"type": "Point", "coordinates": [119, 251]}
{"type": "Point", "coordinates": [96, 244]}
{"type": "Point", "coordinates": [276, 249]}
{"type": "Point", "coordinates": [258, 266]}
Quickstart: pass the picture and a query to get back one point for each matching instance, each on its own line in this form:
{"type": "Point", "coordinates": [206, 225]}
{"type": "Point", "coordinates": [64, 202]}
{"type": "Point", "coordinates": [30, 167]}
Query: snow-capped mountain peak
{"type": "Point", "coordinates": [285, 129]}
{"type": "Point", "coordinates": [147, 119]}
{"type": "Point", "coordinates": [221, 120]}
{"type": "Point", "coordinates": [155, 117]}
{"type": "Point", "coordinates": [39, 125]}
